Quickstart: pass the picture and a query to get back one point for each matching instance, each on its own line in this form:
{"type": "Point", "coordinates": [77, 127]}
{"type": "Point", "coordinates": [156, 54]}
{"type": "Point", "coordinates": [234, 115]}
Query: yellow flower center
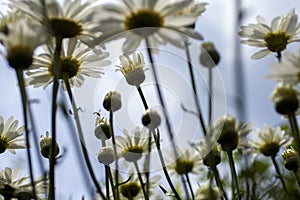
{"type": "Point", "coordinates": [144, 19]}
{"type": "Point", "coordinates": [184, 166]}
{"type": "Point", "coordinates": [69, 67]}
{"type": "Point", "coordinates": [130, 190]}
{"type": "Point", "coordinates": [270, 149]}
{"type": "Point", "coordinates": [65, 28]}
{"type": "Point", "coordinates": [3, 144]}
{"type": "Point", "coordinates": [133, 153]}
{"type": "Point", "coordinates": [276, 42]}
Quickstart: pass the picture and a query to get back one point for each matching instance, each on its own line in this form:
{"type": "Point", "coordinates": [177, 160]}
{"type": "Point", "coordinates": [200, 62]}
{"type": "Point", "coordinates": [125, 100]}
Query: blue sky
{"type": "Point", "coordinates": [217, 25]}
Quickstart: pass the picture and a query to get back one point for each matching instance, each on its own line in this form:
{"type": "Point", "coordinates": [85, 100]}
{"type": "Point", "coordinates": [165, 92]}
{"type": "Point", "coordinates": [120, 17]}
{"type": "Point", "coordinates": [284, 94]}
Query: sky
{"type": "Point", "coordinates": [216, 24]}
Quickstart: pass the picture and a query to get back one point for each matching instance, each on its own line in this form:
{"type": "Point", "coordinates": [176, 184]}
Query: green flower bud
{"type": "Point", "coordinates": [112, 100]}
{"type": "Point", "coordinates": [209, 56]}
{"type": "Point", "coordinates": [45, 145]}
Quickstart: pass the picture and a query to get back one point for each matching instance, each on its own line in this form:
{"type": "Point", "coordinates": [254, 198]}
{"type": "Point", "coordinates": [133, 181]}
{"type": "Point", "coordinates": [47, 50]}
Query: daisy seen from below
{"type": "Point", "coordinates": [10, 135]}
{"type": "Point", "coordinates": [70, 19]}
{"type": "Point", "coordinates": [16, 187]}
{"type": "Point", "coordinates": [10, 18]}
{"type": "Point", "coordinates": [269, 141]}
{"type": "Point", "coordinates": [132, 68]}
{"type": "Point", "coordinates": [288, 70]}
{"type": "Point", "coordinates": [189, 161]}
{"type": "Point", "coordinates": [76, 61]}
{"type": "Point", "coordinates": [159, 21]}
{"type": "Point", "coordinates": [23, 38]}
{"type": "Point", "coordinates": [132, 147]}
{"type": "Point", "coordinates": [232, 134]}
{"type": "Point", "coordinates": [273, 39]}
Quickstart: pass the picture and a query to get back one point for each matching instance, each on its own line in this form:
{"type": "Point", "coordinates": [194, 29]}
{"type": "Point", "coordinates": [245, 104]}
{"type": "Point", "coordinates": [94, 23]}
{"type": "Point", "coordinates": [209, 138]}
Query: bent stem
{"type": "Point", "coordinates": [279, 175]}
{"type": "Point", "coordinates": [200, 115]}
{"type": "Point", "coordinates": [140, 179]}
{"type": "Point", "coordinates": [295, 130]}
{"type": "Point", "coordinates": [81, 138]}
{"type": "Point", "coordinates": [20, 78]}
{"type": "Point", "coordinates": [235, 185]}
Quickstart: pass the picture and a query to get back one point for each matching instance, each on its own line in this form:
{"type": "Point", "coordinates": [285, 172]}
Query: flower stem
{"type": "Point", "coordinates": [279, 175]}
{"type": "Point", "coordinates": [20, 78]}
{"type": "Point", "coordinates": [140, 179]}
{"type": "Point", "coordinates": [297, 178]}
{"type": "Point", "coordinates": [142, 97]}
{"type": "Point", "coordinates": [219, 182]}
{"type": "Point", "coordinates": [295, 130]}
{"type": "Point", "coordinates": [210, 92]}
{"type": "Point", "coordinates": [81, 138]}
{"type": "Point", "coordinates": [278, 56]}
{"type": "Point", "coordinates": [190, 185]}
{"type": "Point", "coordinates": [200, 115]}
{"type": "Point", "coordinates": [235, 185]}
{"type": "Point", "coordinates": [111, 121]}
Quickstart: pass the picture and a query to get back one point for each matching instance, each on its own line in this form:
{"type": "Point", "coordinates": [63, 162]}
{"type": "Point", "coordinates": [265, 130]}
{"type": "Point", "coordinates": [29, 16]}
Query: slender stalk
{"type": "Point", "coordinates": [235, 185]}
{"type": "Point", "coordinates": [219, 182]}
{"type": "Point", "coordinates": [107, 169]}
{"type": "Point", "coordinates": [190, 185]}
{"type": "Point", "coordinates": [157, 142]}
{"type": "Point", "coordinates": [81, 137]}
{"type": "Point", "coordinates": [55, 71]}
{"type": "Point", "coordinates": [111, 120]}
{"type": "Point", "coordinates": [210, 94]}
{"type": "Point", "coordinates": [297, 178]}
{"type": "Point", "coordinates": [20, 78]}
{"type": "Point", "coordinates": [140, 179]}
{"type": "Point", "coordinates": [278, 56]}
{"type": "Point", "coordinates": [279, 175]}
{"type": "Point", "coordinates": [295, 130]}
{"type": "Point", "coordinates": [200, 115]}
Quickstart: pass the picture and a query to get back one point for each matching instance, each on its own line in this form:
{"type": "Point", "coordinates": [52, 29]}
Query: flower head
{"type": "Point", "coordinates": [283, 30]}
{"type": "Point", "coordinates": [189, 161]}
{"type": "Point", "coordinates": [290, 159]}
{"type": "Point", "coordinates": [112, 101]}
{"type": "Point", "coordinates": [24, 36]}
{"type": "Point", "coordinates": [67, 20]}
{"type": "Point", "coordinates": [46, 144]}
{"type": "Point", "coordinates": [11, 18]}
{"type": "Point", "coordinates": [132, 147]}
{"type": "Point", "coordinates": [232, 133]}
{"type": "Point", "coordinates": [288, 70]}
{"type": "Point", "coordinates": [133, 68]}
{"type": "Point", "coordinates": [12, 186]}
{"type": "Point", "coordinates": [286, 99]}
{"type": "Point", "coordinates": [10, 135]}
{"type": "Point", "coordinates": [151, 119]}
{"type": "Point", "coordinates": [269, 141]}
{"type": "Point", "coordinates": [158, 20]}
{"type": "Point", "coordinates": [76, 61]}
{"type": "Point", "coordinates": [102, 128]}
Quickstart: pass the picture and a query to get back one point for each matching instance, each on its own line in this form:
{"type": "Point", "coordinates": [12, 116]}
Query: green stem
{"type": "Point", "coordinates": [200, 115]}
{"type": "Point", "coordinates": [297, 178]}
{"type": "Point", "coordinates": [81, 138]}
{"type": "Point", "coordinates": [295, 130]}
{"type": "Point", "coordinates": [210, 93]}
{"type": "Point", "coordinates": [20, 78]}
{"type": "Point", "coordinates": [235, 185]}
{"type": "Point", "coordinates": [278, 56]}
{"type": "Point", "coordinates": [140, 179]}
{"type": "Point", "coordinates": [111, 120]}
{"type": "Point", "coordinates": [219, 182]}
{"type": "Point", "coordinates": [157, 142]}
{"type": "Point", "coordinates": [279, 175]}
{"type": "Point", "coordinates": [190, 185]}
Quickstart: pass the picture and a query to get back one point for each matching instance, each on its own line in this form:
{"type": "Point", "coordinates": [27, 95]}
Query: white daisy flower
{"type": "Point", "coordinates": [24, 36]}
{"type": "Point", "coordinates": [195, 8]}
{"type": "Point", "coordinates": [133, 68]}
{"type": "Point", "coordinates": [10, 135]}
{"type": "Point", "coordinates": [14, 187]}
{"type": "Point", "coordinates": [232, 134]}
{"type": "Point", "coordinates": [76, 61]}
{"type": "Point", "coordinates": [288, 70]}
{"type": "Point", "coordinates": [70, 19]}
{"type": "Point", "coordinates": [155, 20]}
{"type": "Point", "coordinates": [269, 140]}
{"type": "Point", "coordinates": [189, 161]}
{"type": "Point", "coordinates": [283, 30]}
{"type": "Point", "coordinates": [132, 147]}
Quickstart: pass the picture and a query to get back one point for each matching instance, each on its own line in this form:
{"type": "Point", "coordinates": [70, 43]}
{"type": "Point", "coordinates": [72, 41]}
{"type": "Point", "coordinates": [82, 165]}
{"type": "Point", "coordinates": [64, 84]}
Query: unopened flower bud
{"type": "Point", "coordinates": [102, 128]}
{"type": "Point", "coordinates": [213, 158]}
{"type": "Point", "coordinates": [106, 155]}
{"type": "Point", "coordinates": [112, 101]}
{"type": "Point", "coordinates": [151, 119]}
{"type": "Point", "coordinates": [285, 98]}
{"type": "Point", "coordinates": [45, 145]}
{"type": "Point", "coordinates": [290, 159]}
{"type": "Point", "coordinates": [209, 56]}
